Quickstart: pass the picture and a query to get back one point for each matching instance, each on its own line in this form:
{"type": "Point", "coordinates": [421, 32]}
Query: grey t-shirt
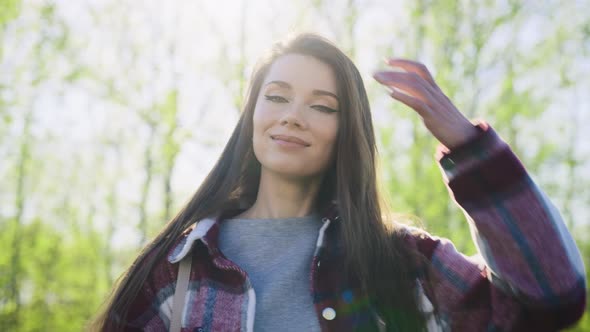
{"type": "Point", "coordinates": [276, 254]}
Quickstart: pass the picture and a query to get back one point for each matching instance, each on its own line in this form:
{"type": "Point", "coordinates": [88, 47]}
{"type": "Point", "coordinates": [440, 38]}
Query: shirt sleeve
{"type": "Point", "coordinates": [529, 270]}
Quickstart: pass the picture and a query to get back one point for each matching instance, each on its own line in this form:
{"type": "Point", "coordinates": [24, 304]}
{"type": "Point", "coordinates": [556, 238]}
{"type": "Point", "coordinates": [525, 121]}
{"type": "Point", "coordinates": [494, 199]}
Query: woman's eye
{"type": "Point", "coordinates": [324, 109]}
{"type": "Point", "coordinates": [276, 99]}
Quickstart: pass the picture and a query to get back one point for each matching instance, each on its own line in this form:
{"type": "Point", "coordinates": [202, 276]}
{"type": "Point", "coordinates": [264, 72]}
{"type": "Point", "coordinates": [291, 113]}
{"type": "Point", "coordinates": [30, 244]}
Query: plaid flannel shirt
{"type": "Point", "coordinates": [530, 278]}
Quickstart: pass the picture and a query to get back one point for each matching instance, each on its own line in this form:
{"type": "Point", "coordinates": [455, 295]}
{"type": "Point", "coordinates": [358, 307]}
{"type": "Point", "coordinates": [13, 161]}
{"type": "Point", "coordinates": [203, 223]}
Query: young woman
{"type": "Point", "coordinates": [286, 232]}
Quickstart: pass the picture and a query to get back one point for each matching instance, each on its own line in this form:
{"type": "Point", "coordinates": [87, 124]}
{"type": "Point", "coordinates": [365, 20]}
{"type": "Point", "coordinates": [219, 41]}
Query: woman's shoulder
{"type": "Point", "coordinates": [158, 286]}
{"type": "Point", "coordinates": [163, 254]}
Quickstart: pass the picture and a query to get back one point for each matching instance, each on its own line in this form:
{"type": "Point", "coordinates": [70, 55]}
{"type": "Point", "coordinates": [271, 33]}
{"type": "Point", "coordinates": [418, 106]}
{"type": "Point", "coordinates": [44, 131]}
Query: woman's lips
{"type": "Point", "coordinates": [289, 141]}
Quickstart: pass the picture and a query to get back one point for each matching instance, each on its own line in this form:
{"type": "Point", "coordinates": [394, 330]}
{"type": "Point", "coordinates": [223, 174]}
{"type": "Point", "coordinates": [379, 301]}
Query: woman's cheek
{"type": "Point", "coordinates": [266, 113]}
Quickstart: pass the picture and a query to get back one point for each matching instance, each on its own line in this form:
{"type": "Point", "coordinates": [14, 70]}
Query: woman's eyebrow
{"type": "Point", "coordinates": [325, 93]}
{"type": "Point", "coordinates": [282, 84]}
{"type": "Point", "coordinates": [316, 92]}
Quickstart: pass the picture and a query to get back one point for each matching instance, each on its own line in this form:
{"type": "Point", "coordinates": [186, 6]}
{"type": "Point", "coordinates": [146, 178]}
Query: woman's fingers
{"type": "Point", "coordinates": [415, 103]}
{"type": "Point", "coordinates": [416, 88]}
{"type": "Point", "coordinates": [414, 67]}
{"type": "Point", "coordinates": [408, 82]}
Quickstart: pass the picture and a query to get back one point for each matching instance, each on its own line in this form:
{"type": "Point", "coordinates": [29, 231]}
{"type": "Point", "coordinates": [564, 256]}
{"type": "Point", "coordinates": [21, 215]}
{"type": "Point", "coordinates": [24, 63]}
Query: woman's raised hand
{"type": "Point", "coordinates": [415, 87]}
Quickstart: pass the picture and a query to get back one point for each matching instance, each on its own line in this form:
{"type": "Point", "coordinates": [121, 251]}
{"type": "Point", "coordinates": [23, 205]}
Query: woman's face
{"type": "Point", "coordinates": [296, 117]}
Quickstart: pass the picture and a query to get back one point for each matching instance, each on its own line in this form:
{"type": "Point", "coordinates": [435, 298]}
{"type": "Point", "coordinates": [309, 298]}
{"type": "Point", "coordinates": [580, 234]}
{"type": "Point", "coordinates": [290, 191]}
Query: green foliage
{"type": "Point", "coordinates": [61, 288]}
{"type": "Point", "coordinates": [9, 9]}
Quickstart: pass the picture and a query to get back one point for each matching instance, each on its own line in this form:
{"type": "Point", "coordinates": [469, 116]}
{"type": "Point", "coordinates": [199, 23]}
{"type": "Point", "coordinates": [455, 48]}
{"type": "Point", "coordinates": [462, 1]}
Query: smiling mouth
{"type": "Point", "coordinates": [289, 140]}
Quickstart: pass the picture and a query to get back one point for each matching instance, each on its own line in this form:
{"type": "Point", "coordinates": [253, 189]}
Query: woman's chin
{"type": "Point", "coordinates": [291, 171]}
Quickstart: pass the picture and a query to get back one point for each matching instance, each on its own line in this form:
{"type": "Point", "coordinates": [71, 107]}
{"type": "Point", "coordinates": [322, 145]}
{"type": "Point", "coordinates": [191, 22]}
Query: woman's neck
{"type": "Point", "coordinates": [280, 197]}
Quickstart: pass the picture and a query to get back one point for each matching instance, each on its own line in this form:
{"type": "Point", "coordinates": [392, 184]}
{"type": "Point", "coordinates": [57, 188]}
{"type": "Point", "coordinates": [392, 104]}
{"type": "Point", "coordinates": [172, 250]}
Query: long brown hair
{"type": "Point", "coordinates": [374, 252]}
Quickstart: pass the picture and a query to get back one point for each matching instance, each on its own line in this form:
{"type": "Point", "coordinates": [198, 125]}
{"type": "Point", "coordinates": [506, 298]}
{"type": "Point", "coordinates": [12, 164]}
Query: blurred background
{"type": "Point", "coordinates": [113, 111]}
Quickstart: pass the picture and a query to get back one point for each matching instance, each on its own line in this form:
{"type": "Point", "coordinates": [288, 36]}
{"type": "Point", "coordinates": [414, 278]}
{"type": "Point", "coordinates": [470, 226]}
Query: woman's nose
{"type": "Point", "coordinates": [294, 116]}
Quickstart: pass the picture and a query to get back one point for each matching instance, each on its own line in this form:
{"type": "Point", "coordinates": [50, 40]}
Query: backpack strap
{"type": "Point", "coordinates": [184, 271]}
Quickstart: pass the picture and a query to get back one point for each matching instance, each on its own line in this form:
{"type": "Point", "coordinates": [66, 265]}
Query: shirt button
{"type": "Point", "coordinates": [329, 313]}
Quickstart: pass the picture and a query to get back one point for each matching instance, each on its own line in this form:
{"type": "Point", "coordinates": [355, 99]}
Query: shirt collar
{"type": "Point", "coordinates": [199, 231]}
{"type": "Point", "coordinates": [207, 230]}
